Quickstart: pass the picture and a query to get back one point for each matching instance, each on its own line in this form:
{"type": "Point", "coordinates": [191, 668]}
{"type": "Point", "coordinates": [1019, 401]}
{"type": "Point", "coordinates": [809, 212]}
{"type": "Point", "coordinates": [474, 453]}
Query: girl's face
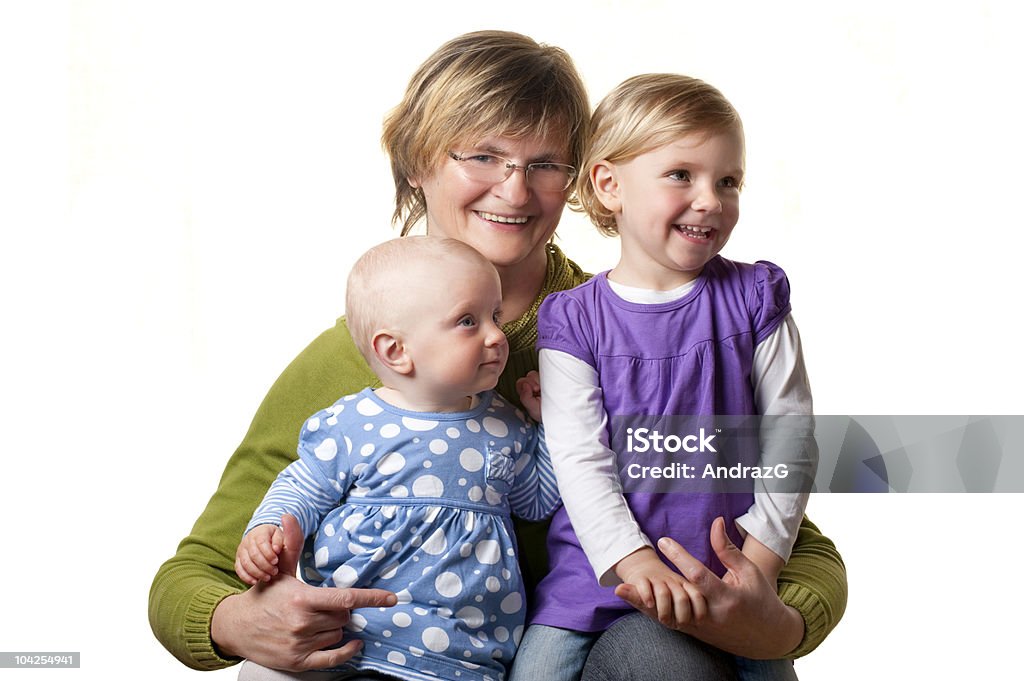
{"type": "Point", "coordinates": [675, 207]}
{"type": "Point", "coordinates": [508, 222]}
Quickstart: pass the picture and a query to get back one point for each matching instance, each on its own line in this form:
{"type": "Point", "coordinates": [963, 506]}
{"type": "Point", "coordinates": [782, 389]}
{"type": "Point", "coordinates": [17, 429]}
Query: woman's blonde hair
{"type": "Point", "coordinates": [641, 114]}
{"type": "Point", "coordinates": [477, 85]}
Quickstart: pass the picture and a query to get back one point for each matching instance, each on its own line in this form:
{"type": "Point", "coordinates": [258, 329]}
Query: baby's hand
{"type": "Point", "coordinates": [256, 559]}
{"type": "Point", "coordinates": [667, 595]}
{"type": "Point", "coordinates": [528, 388]}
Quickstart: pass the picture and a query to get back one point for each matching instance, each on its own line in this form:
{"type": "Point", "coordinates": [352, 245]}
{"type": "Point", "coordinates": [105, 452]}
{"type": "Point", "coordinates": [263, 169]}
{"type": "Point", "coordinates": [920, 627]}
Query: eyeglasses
{"type": "Point", "coordinates": [548, 177]}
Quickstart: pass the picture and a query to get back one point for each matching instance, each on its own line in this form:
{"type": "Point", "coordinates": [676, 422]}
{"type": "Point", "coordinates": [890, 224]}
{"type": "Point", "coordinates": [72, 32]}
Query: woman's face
{"type": "Point", "coordinates": [508, 222]}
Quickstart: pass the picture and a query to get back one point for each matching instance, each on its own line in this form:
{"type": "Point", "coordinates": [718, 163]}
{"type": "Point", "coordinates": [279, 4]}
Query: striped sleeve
{"type": "Point", "coordinates": [535, 493]}
{"type": "Point", "coordinates": [300, 491]}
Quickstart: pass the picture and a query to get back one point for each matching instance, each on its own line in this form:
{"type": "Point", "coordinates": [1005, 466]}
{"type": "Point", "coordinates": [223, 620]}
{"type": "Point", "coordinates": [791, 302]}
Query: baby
{"type": "Point", "coordinates": [409, 487]}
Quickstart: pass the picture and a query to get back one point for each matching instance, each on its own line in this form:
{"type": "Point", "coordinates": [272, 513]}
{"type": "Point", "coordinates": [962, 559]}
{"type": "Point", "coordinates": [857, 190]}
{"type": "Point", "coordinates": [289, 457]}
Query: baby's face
{"type": "Point", "coordinates": [455, 338]}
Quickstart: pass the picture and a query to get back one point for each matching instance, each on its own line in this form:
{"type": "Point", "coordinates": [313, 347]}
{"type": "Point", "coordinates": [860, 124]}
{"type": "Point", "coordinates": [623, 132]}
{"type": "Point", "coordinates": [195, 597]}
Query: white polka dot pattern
{"type": "Point", "coordinates": [419, 504]}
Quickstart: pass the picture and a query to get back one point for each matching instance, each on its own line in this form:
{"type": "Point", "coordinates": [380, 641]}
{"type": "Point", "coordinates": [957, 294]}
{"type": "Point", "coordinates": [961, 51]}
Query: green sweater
{"type": "Point", "coordinates": [190, 585]}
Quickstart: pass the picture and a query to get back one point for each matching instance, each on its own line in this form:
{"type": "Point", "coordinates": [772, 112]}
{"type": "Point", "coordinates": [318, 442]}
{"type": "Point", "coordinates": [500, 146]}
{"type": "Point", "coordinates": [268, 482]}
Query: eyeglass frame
{"type": "Point", "coordinates": [511, 167]}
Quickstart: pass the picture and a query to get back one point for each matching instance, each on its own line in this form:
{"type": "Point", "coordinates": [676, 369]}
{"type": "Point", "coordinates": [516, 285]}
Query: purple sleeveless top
{"type": "Point", "coordinates": [691, 356]}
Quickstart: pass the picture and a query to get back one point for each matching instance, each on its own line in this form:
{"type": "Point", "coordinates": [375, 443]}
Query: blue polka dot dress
{"type": "Point", "coordinates": [418, 504]}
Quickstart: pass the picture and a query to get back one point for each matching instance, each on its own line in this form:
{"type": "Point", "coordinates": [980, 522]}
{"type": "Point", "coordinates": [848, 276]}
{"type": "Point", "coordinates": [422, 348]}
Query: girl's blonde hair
{"type": "Point", "coordinates": [477, 85]}
{"type": "Point", "coordinates": [642, 114]}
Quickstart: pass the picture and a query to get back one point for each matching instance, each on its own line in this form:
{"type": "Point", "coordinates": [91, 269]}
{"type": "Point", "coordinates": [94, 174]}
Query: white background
{"type": "Point", "coordinates": [183, 187]}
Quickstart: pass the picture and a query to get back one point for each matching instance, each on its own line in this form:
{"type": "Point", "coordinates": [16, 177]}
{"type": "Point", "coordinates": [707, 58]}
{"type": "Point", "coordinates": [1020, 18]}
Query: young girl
{"type": "Point", "coordinates": [409, 487]}
{"type": "Point", "coordinates": [673, 329]}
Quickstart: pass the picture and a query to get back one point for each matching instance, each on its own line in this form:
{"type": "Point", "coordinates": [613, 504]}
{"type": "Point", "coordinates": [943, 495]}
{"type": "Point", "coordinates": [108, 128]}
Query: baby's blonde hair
{"type": "Point", "coordinates": [474, 86]}
{"type": "Point", "coordinates": [378, 293]}
{"type": "Point", "coordinates": [641, 114]}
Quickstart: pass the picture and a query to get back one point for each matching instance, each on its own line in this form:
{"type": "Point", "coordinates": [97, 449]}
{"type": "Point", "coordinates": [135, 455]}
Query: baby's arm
{"type": "Point", "coordinates": [256, 558]}
{"type": "Point", "coordinates": [781, 388]}
{"type": "Point", "coordinates": [300, 491]}
{"type": "Point", "coordinates": [534, 494]}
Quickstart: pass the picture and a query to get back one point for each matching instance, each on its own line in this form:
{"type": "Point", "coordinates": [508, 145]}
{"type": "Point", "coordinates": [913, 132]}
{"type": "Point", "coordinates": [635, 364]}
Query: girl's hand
{"type": "Point", "coordinates": [528, 388]}
{"type": "Point", "coordinates": [256, 558]}
{"type": "Point", "coordinates": [658, 591]}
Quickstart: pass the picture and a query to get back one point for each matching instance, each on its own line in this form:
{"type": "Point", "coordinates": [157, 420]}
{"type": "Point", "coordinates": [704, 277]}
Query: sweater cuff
{"type": "Point", "coordinates": [198, 618]}
{"type": "Point", "coordinates": [816, 620]}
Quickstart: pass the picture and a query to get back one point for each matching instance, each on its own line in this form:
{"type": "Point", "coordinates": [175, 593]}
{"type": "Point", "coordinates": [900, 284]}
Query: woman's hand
{"type": "Point", "coordinates": [745, 616]}
{"type": "Point", "coordinates": [285, 624]}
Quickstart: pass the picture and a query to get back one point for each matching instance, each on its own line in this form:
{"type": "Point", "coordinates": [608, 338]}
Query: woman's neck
{"type": "Point", "coordinates": [520, 285]}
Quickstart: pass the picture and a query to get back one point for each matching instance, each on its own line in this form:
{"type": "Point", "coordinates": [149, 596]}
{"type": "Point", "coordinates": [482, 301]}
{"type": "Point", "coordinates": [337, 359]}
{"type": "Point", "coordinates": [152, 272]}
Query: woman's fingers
{"type": "Point", "coordinates": [692, 569]}
{"type": "Point", "coordinates": [325, 659]}
{"type": "Point", "coordinates": [288, 561]}
{"type": "Point", "coordinates": [732, 558]}
{"type": "Point", "coordinates": [343, 600]}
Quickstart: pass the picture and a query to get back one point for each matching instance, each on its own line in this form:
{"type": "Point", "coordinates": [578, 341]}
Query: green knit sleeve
{"type": "Point", "coordinates": [814, 582]}
{"type": "Point", "coordinates": [189, 586]}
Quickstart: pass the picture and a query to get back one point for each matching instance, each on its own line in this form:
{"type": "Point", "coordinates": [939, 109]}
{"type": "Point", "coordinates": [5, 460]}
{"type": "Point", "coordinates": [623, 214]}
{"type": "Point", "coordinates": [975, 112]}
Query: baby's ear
{"type": "Point", "coordinates": [391, 351]}
{"type": "Point", "coordinates": [606, 186]}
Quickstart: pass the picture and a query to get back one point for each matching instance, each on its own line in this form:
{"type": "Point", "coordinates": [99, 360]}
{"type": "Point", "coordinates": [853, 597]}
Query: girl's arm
{"type": "Point", "coordinates": [589, 482]}
{"type": "Point", "coordinates": [781, 388]}
{"type": "Point", "coordinates": [588, 479]}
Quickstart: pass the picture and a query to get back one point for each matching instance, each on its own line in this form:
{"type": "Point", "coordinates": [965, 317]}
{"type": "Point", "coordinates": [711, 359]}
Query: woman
{"type": "Point", "coordinates": [503, 95]}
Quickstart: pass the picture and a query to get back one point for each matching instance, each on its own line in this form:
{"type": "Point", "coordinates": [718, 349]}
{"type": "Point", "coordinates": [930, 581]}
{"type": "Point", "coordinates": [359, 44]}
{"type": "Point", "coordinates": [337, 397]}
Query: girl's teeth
{"type": "Point", "coordinates": [500, 218]}
{"type": "Point", "coordinates": [699, 232]}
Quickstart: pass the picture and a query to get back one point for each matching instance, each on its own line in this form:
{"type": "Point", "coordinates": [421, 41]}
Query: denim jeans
{"type": "Point", "coordinates": [551, 654]}
{"type": "Point", "coordinates": [635, 648]}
